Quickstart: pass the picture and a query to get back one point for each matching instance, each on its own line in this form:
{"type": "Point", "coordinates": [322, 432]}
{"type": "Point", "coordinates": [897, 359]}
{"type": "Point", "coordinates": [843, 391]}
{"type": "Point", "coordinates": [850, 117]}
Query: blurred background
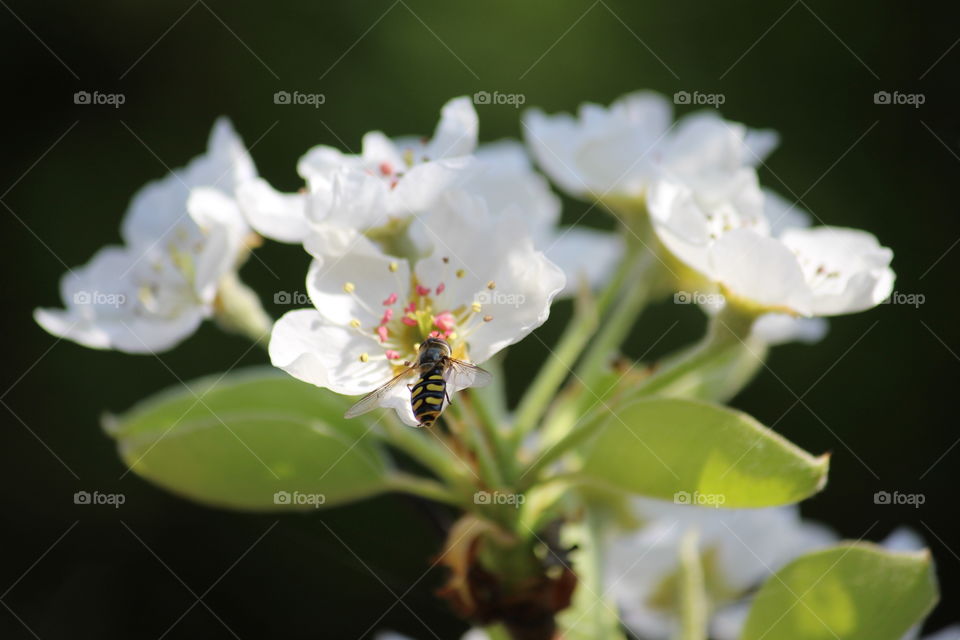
{"type": "Point", "coordinates": [879, 391]}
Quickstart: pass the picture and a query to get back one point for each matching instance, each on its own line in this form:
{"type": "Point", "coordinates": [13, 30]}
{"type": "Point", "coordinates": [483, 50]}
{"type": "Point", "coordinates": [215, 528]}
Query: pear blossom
{"type": "Point", "coordinates": [820, 271]}
{"type": "Point", "coordinates": [740, 548]}
{"type": "Point", "coordinates": [617, 152]}
{"type": "Point", "coordinates": [183, 234]}
{"type": "Point", "coordinates": [394, 182]}
{"type": "Point", "coordinates": [483, 288]}
{"type": "Point", "coordinates": [388, 179]}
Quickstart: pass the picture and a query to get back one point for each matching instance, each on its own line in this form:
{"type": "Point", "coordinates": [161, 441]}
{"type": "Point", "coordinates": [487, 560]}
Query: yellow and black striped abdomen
{"type": "Point", "coordinates": [427, 396]}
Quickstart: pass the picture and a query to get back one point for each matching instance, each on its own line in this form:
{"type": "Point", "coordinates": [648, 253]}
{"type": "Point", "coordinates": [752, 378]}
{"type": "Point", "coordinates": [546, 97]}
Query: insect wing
{"type": "Point", "coordinates": [371, 401]}
{"type": "Point", "coordinates": [462, 374]}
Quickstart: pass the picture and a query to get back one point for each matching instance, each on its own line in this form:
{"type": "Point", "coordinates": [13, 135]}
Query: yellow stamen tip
{"type": "Point", "coordinates": [487, 318]}
{"type": "Point", "coordinates": [460, 273]}
{"type": "Point", "coordinates": [491, 285]}
{"type": "Point", "coordinates": [393, 267]}
{"type": "Point", "coordinates": [476, 306]}
{"type": "Point", "coordinates": [355, 323]}
{"type": "Point", "coordinates": [364, 357]}
{"type": "Point", "coordinates": [349, 287]}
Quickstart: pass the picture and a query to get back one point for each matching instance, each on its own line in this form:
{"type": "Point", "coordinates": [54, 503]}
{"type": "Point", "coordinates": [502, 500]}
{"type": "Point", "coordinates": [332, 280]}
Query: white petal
{"type": "Point", "coordinates": [368, 273]}
{"type": "Point", "coordinates": [311, 349]}
{"type": "Point", "coordinates": [761, 270]}
{"type": "Point", "coordinates": [847, 269]}
{"type": "Point", "coordinates": [760, 143]}
{"type": "Point", "coordinates": [456, 133]}
{"type": "Point", "coordinates": [904, 539]}
{"type": "Point", "coordinates": [274, 215]}
{"type": "Point", "coordinates": [225, 232]}
{"type": "Point", "coordinates": [780, 328]}
{"type": "Point", "coordinates": [553, 141]}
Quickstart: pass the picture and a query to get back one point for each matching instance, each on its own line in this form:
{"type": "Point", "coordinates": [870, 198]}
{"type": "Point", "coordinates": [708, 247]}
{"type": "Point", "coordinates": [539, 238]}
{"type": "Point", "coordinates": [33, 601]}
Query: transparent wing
{"type": "Point", "coordinates": [371, 401]}
{"type": "Point", "coordinates": [463, 374]}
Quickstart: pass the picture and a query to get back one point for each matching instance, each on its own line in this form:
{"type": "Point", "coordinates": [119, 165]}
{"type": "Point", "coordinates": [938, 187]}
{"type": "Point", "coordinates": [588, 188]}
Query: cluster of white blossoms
{"type": "Point", "coordinates": [419, 237]}
{"type": "Point", "coordinates": [739, 550]}
{"type": "Point", "coordinates": [182, 236]}
{"type": "Point", "coordinates": [715, 227]}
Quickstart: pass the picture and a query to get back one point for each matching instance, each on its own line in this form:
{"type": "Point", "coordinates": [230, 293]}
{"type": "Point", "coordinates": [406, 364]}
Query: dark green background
{"type": "Point", "coordinates": [886, 408]}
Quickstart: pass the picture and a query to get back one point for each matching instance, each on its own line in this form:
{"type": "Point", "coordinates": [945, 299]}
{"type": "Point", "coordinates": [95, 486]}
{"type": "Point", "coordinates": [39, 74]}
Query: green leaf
{"type": "Point", "coordinates": [853, 591]}
{"type": "Point", "coordinates": [698, 453]}
{"type": "Point", "coordinates": [254, 440]}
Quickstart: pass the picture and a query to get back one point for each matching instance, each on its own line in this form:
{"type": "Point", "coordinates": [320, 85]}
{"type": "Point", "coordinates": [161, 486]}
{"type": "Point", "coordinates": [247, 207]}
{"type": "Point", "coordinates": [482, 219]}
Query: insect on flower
{"type": "Point", "coordinates": [435, 368]}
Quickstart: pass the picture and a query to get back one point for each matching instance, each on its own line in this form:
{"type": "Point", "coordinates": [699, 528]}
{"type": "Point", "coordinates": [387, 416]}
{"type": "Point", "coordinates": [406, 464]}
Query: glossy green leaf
{"type": "Point", "coordinates": [253, 440]}
{"type": "Point", "coordinates": [697, 453]}
{"type": "Point", "coordinates": [853, 591]}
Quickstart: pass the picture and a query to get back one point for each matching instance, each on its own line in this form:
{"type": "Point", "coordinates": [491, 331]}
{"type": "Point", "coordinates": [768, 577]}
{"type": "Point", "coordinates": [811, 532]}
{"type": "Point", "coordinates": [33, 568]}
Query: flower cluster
{"type": "Point", "coordinates": [183, 235]}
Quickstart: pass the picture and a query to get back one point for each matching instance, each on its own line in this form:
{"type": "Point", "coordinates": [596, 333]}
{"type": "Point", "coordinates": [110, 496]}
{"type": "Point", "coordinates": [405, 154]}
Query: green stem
{"type": "Point", "coordinates": [727, 329]}
{"type": "Point", "coordinates": [493, 435]}
{"type": "Point", "coordinates": [635, 296]}
{"type": "Point", "coordinates": [575, 337]}
{"type": "Point", "coordinates": [693, 597]}
{"type": "Point", "coordinates": [424, 487]}
{"type": "Point", "coordinates": [418, 447]}
{"type": "Point", "coordinates": [489, 468]}
{"type": "Point", "coordinates": [237, 309]}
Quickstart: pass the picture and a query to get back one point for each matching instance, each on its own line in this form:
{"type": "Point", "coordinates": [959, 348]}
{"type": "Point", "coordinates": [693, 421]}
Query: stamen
{"type": "Point", "coordinates": [422, 291]}
{"type": "Point", "coordinates": [393, 267]}
{"type": "Point", "coordinates": [487, 318]}
{"type": "Point", "coordinates": [391, 299]}
{"type": "Point", "coordinates": [387, 316]}
{"type": "Point", "coordinates": [349, 287]}
{"type": "Point", "coordinates": [385, 168]}
{"type": "Point", "coordinates": [384, 333]}
{"type": "Point", "coordinates": [355, 323]}
{"type": "Point", "coordinates": [440, 288]}
{"type": "Point", "coordinates": [445, 321]}
{"type": "Point", "coordinates": [476, 306]}
{"type": "Point", "coordinates": [392, 354]}
{"type": "Point", "coordinates": [408, 320]}
{"type": "Point", "coordinates": [460, 273]}
{"type": "Point", "coordinates": [364, 357]}
{"type": "Point", "coordinates": [491, 285]}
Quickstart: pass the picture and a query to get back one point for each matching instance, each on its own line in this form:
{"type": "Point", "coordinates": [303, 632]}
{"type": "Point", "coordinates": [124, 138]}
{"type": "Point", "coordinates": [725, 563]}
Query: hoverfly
{"type": "Point", "coordinates": [436, 369]}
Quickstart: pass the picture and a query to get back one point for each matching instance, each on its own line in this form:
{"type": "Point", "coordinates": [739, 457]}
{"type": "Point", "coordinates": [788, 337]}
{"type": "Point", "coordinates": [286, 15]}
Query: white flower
{"type": "Point", "coordinates": [394, 182]}
{"type": "Point", "coordinates": [820, 271]}
{"type": "Point", "coordinates": [483, 288]}
{"type": "Point", "coordinates": [739, 549]}
{"type": "Point", "coordinates": [619, 151]}
{"type": "Point", "coordinates": [183, 233]}
{"type": "Point", "coordinates": [388, 179]}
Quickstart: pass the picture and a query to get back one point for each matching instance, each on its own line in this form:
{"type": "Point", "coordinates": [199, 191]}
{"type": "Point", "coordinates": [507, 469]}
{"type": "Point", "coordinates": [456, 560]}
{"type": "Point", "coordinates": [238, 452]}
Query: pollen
{"type": "Point", "coordinates": [349, 287]}
{"type": "Point", "coordinates": [491, 285]}
{"type": "Point", "coordinates": [393, 267]}
{"type": "Point", "coordinates": [364, 357]}
{"type": "Point", "coordinates": [355, 323]}
{"type": "Point", "coordinates": [487, 318]}
{"type": "Point", "coordinates": [476, 306]}
{"type": "Point", "coordinates": [460, 273]}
